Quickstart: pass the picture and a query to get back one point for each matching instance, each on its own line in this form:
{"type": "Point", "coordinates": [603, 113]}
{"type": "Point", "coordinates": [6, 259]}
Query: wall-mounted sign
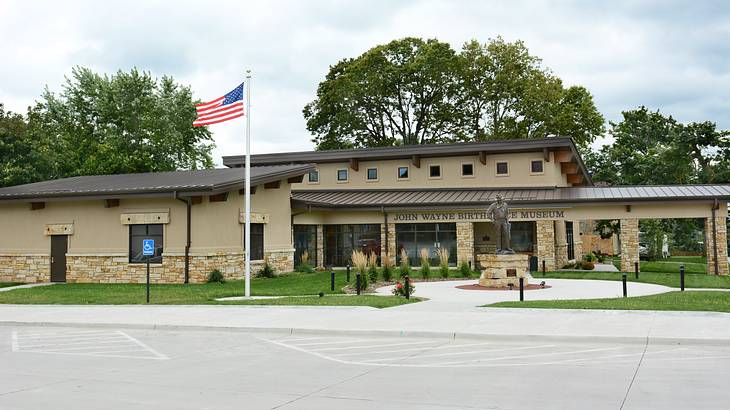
{"type": "Point", "coordinates": [477, 216]}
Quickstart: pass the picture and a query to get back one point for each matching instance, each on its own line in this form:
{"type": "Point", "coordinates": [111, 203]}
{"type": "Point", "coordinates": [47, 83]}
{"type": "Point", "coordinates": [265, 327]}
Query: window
{"type": "Point", "coordinates": [341, 175]}
{"type": "Point", "coordinates": [314, 177]}
{"type": "Point", "coordinates": [536, 166]}
{"type": "Point", "coordinates": [402, 172]}
{"type": "Point", "coordinates": [372, 174]}
{"type": "Point", "coordinates": [467, 170]}
{"type": "Point", "coordinates": [305, 240]}
{"type": "Point", "coordinates": [502, 168]}
{"type": "Point", "coordinates": [139, 232]}
{"type": "Point", "coordinates": [434, 171]}
{"type": "Point", "coordinates": [341, 240]}
{"type": "Point", "coordinates": [412, 238]}
{"type": "Point", "coordinates": [257, 241]}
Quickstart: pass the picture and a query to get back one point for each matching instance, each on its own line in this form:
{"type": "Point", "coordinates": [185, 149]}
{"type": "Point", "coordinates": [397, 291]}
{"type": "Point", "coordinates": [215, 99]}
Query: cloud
{"type": "Point", "coordinates": [672, 56]}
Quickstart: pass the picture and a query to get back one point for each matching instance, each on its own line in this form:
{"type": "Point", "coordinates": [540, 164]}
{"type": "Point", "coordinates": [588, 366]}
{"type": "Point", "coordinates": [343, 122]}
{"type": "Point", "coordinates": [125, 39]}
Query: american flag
{"type": "Point", "coordinates": [221, 109]}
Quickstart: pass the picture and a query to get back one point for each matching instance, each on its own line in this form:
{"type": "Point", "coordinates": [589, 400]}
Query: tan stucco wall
{"type": "Point", "coordinates": [484, 175]}
{"type": "Point", "coordinates": [98, 230]}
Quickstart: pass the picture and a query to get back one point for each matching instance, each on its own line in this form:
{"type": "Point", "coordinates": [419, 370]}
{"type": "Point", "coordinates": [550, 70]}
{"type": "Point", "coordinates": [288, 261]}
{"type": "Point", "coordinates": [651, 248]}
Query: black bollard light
{"type": "Point", "coordinates": [623, 279]}
{"type": "Point", "coordinates": [348, 273]}
{"type": "Point", "coordinates": [543, 267]}
{"type": "Point", "coordinates": [522, 289]}
{"type": "Point", "coordinates": [332, 280]}
{"type": "Point", "coordinates": [407, 285]}
{"type": "Point", "coordinates": [681, 277]}
{"type": "Point", "coordinates": [636, 269]}
{"type": "Point", "coordinates": [357, 282]}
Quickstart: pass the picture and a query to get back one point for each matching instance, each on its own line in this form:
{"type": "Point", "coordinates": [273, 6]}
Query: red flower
{"type": "Point", "coordinates": [399, 285]}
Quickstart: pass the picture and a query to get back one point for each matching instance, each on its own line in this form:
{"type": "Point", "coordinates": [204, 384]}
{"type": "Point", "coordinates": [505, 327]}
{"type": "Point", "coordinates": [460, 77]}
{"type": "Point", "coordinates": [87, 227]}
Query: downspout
{"type": "Point", "coordinates": [715, 205]}
{"type": "Point", "coordinates": [188, 202]}
{"type": "Point", "coordinates": [385, 223]}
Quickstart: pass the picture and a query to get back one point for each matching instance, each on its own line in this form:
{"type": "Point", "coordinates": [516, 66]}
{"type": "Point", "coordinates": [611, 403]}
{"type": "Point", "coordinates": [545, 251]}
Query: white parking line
{"type": "Point", "coordinates": [457, 353]}
{"type": "Point", "coordinates": [369, 346]}
{"type": "Point", "coordinates": [97, 344]}
{"type": "Point", "coordinates": [530, 356]}
{"type": "Point", "coordinates": [339, 342]}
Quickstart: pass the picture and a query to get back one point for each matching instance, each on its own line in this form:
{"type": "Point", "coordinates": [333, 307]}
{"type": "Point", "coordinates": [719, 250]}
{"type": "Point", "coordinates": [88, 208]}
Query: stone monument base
{"type": "Point", "coordinates": [500, 270]}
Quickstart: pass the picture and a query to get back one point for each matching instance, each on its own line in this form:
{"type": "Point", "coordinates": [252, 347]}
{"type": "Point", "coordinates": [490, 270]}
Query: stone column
{"type": "Point", "coordinates": [721, 228]}
{"type": "Point", "coordinates": [391, 240]}
{"type": "Point", "coordinates": [465, 242]}
{"type": "Point", "coordinates": [577, 241]}
{"type": "Point", "coordinates": [320, 247]}
{"type": "Point", "coordinates": [629, 238]}
{"type": "Point", "coordinates": [545, 247]}
{"type": "Point", "coordinates": [561, 244]}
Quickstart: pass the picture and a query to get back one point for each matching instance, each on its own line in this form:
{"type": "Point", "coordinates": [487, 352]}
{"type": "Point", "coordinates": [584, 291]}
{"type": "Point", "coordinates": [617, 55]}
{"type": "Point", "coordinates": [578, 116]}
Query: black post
{"type": "Point", "coordinates": [522, 289]}
{"type": "Point", "coordinates": [148, 279]}
{"type": "Point", "coordinates": [636, 269]}
{"type": "Point", "coordinates": [407, 285]}
{"type": "Point", "coordinates": [623, 279]}
{"type": "Point", "coordinates": [357, 282]}
{"type": "Point", "coordinates": [681, 277]}
{"type": "Point", "coordinates": [348, 273]}
{"type": "Point", "coordinates": [543, 267]}
{"type": "Point", "coordinates": [332, 280]}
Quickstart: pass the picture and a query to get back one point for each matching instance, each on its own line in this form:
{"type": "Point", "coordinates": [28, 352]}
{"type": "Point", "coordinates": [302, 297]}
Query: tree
{"type": "Point", "coordinates": [505, 93]}
{"type": "Point", "coordinates": [124, 123]}
{"type": "Point", "coordinates": [19, 161]}
{"type": "Point", "coordinates": [398, 93]}
{"type": "Point", "coordinates": [412, 91]}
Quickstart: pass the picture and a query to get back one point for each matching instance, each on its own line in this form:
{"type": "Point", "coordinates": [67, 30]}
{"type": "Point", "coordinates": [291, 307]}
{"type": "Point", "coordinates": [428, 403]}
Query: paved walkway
{"type": "Point", "coordinates": [29, 285]}
{"type": "Point", "coordinates": [445, 296]}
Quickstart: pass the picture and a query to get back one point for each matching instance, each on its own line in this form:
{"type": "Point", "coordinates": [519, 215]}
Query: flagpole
{"type": "Point", "coordinates": [247, 198]}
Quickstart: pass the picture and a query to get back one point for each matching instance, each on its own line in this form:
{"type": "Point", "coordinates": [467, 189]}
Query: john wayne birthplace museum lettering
{"type": "Point", "coordinates": [517, 214]}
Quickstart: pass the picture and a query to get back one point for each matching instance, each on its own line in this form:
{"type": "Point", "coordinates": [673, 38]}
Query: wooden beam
{"type": "Point", "coordinates": [243, 191]}
{"type": "Point", "coordinates": [111, 203]}
{"type": "Point", "coordinates": [34, 206]}
{"type": "Point", "coordinates": [218, 197]}
{"type": "Point", "coordinates": [195, 200]}
{"type": "Point", "coordinates": [563, 156]}
{"type": "Point", "coordinates": [568, 168]}
{"type": "Point", "coordinates": [416, 160]}
{"type": "Point", "coordinates": [355, 164]}
{"type": "Point", "coordinates": [483, 157]}
{"type": "Point", "coordinates": [546, 154]}
{"type": "Point", "coordinates": [575, 179]}
{"type": "Point", "coordinates": [272, 185]}
{"type": "Point", "coordinates": [296, 180]}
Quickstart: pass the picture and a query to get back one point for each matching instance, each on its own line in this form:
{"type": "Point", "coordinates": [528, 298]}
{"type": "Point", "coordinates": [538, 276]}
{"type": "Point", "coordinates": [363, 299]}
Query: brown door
{"type": "Point", "coordinates": [59, 246]}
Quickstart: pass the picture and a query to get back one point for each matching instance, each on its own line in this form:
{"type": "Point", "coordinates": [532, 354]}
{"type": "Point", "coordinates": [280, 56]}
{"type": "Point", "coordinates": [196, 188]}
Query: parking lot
{"type": "Point", "coordinates": [83, 368]}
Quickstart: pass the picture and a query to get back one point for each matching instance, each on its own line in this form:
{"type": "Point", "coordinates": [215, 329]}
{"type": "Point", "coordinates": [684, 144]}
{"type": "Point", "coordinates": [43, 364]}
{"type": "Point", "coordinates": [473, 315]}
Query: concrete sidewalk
{"type": "Point", "coordinates": [518, 324]}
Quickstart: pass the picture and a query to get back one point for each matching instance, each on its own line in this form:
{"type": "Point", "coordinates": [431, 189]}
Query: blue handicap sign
{"type": "Point", "coordinates": [148, 247]}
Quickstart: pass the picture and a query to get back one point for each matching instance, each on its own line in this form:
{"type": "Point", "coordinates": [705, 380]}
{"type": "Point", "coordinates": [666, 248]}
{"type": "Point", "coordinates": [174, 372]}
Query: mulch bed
{"type": "Point", "coordinates": [516, 288]}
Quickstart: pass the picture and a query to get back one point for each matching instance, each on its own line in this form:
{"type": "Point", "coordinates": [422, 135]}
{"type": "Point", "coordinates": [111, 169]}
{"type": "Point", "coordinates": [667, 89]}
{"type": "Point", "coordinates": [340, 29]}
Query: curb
{"type": "Point", "coordinates": [644, 340]}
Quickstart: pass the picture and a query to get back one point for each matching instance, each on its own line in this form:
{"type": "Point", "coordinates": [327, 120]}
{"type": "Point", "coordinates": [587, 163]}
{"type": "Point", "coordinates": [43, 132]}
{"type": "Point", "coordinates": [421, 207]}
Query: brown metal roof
{"type": "Point", "coordinates": [407, 151]}
{"type": "Point", "coordinates": [526, 196]}
{"type": "Point", "coordinates": [209, 181]}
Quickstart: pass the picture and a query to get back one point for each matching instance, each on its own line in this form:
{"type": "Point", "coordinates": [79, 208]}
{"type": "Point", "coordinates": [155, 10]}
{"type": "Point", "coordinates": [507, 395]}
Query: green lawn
{"type": "Point", "coordinates": [692, 264]}
{"type": "Point", "coordinates": [712, 301]}
{"type": "Point", "coordinates": [8, 284]}
{"type": "Point", "coordinates": [330, 300]}
{"type": "Point", "coordinates": [691, 280]}
{"type": "Point", "coordinates": [118, 294]}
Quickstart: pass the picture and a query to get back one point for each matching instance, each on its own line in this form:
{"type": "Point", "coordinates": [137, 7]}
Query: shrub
{"type": "Point", "coordinates": [443, 255]}
{"type": "Point", "coordinates": [464, 269]}
{"type": "Point", "coordinates": [405, 268]}
{"type": "Point", "coordinates": [589, 257]}
{"type": "Point", "coordinates": [387, 263]}
{"type": "Point", "coordinates": [425, 264]}
{"type": "Point", "coordinates": [400, 289]}
{"type": "Point", "coordinates": [304, 266]}
{"type": "Point", "coordinates": [267, 271]}
{"type": "Point", "coordinates": [216, 276]}
{"type": "Point", "coordinates": [360, 262]}
{"type": "Point", "coordinates": [570, 265]}
{"type": "Point", "coordinates": [373, 267]}
{"type": "Point", "coordinates": [587, 265]}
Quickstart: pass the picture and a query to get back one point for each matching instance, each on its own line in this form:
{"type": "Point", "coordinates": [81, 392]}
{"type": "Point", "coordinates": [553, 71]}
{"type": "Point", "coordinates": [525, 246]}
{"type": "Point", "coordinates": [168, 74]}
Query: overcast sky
{"type": "Point", "coordinates": [667, 55]}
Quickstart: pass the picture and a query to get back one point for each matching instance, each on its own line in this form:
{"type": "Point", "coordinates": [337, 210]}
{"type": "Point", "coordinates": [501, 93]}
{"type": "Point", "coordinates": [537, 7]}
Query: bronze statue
{"type": "Point", "coordinates": [498, 212]}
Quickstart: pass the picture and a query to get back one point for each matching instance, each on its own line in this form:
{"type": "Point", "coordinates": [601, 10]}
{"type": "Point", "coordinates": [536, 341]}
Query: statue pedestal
{"type": "Point", "coordinates": [498, 271]}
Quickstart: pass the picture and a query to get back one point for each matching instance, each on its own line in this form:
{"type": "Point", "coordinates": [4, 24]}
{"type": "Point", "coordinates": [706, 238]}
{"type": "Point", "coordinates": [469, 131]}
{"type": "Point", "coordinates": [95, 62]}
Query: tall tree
{"type": "Point", "coordinates": [123, 123]}
{"type": "Point", "coordinates": [20, 163]}
{"type": "Point", "coordinates": [412, 91]}
{"type": "Point", "coordinates": [397, 93]}
{"type": "Point", "coordinates": [505, 93]}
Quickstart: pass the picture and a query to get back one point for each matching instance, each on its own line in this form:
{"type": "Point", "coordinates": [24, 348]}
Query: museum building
{"type": "Point", "coordinates": [329, 203]}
